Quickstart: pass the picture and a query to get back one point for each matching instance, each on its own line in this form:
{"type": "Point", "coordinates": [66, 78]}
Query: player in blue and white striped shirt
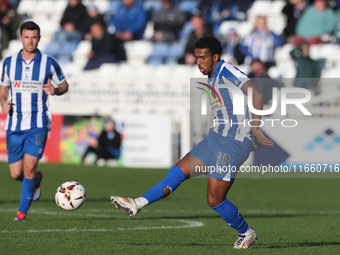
{"type": "Point", "coordinates": [227, 145]}
{"type": "Point", "coordinates": [25, 86]}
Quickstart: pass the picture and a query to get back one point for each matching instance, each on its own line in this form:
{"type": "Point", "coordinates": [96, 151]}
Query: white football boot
{"type": "Point", "coordinates": [245, 240]}
{"type": "Point", "coordinates": [125, 204]}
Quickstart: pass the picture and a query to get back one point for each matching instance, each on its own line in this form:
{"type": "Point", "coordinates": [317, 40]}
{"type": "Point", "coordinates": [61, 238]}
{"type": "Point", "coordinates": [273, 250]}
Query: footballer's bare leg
{"type": "Point", "coordinates": [16, 170]}
{"type": "Point", "coordinates": [217, 191]}
{"type": "Point", "coordinates": [28, 186]}
{"type": "Point", "coordinates": [216, 196]}
{"type": "Point", "coordinates": [30, 164]}
{"type": "Point", "coordinates": [183, 170]}
{"type": "Point", "coordinates": [188, 166]}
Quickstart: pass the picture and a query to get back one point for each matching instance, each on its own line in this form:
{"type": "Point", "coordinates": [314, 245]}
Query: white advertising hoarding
{"type": "Point", "coordinates": [146, 140]}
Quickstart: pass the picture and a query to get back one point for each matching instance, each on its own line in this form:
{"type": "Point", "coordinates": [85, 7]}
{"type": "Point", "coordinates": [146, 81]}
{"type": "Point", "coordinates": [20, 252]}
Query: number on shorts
{"type": "Point", "coordinates": [40, 141]}
{"type": "Point", "coordinates": [225, 159]}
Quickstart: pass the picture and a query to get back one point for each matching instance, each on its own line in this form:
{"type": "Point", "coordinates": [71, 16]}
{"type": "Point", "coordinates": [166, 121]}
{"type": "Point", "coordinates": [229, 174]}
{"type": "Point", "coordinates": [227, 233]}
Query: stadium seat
{"type": "Point", "coordinates": [176, 50]}
{"type": "Point", "coordinates": [58, 8]}
{"type": "Point", "coordinates": [108, 69]}
{"type": "Point", "coordinates": [138, 51]}
{"type": "Point", "coordinates": [13, 48]}
{"type": "Point", "coordinates": [330, 53]}
{"type": "Point", "coordinates": [188, 6]}
{"type": "Point", "coordinates": [42, 9]}
{"type": "Point", "coordinates": [47, 28]}
{"type": "Point", "coordinates": [226, 26]}
{"type": "Point", "coordinates": [149, 31]}
{"type": "Point", "coordinates": [79, 55]}
{"type": "Point", "coordinates": [159, 53]}
{"type": "Point", "coordinates": [244, 28]}
{"type": "Point", "coordinates": [102, 5]}
{"type": "Point", "coordinates": [185, 31]}
{"type": "Point", "coordinates": [281, 54]}
{"type": "Point", "coordinates": [27, 7]}
{"type": "Point", "coordinates": [276, 7]}
{"type": "Point", "coordinates": [261, 7]}
{"type": "Point", "coordinates": [150, 6]}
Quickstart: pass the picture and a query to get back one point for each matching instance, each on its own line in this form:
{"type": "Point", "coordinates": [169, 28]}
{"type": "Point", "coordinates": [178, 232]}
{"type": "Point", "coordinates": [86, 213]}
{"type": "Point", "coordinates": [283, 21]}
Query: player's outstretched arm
{"type": "Point", "coordinates": [5, 104]}
{"type": "Point", "coordinates": [61, 89]}
{"type": "Point", "coordinates": [261, 139]}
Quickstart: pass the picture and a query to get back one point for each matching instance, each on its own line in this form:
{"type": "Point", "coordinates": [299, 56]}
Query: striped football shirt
{"type": "Point", "coordinates": [225, 80]}
{"type": "Point", "coordinates": [30, 108]}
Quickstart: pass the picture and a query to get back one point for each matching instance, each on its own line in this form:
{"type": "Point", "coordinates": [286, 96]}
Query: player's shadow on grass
{"type": "Point", "coordinates": [294, 245]}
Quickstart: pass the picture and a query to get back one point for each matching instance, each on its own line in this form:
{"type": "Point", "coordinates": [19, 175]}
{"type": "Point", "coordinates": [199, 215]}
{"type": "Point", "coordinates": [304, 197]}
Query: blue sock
{"type": "Point", "coordinates": [173, 179]}
{"type": "Point", "coordinates": [27, 191]}
{"type": "Point", "coordinates": [228, 211]}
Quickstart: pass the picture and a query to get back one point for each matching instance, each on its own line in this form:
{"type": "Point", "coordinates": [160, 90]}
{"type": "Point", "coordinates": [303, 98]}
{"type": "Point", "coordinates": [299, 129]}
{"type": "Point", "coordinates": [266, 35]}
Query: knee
{"type": "Point", "coordinates": [17, 177]}
{"type": "Point", "coordinates": [30, 169]}
{"type": "Point", "coordinates": [214, 200]}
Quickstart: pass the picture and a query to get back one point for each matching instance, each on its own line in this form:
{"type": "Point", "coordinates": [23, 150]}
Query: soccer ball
{"type": "Point", "coordinates": [70, 195]}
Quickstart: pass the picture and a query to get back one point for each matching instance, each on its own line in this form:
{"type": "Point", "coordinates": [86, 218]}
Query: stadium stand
{"type": "Point", "coordinates": [162, 85]}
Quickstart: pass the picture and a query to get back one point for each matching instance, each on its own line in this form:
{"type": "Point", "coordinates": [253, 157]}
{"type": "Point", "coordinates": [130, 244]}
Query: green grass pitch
{"type": "Point", "coordinates": [291, 216]}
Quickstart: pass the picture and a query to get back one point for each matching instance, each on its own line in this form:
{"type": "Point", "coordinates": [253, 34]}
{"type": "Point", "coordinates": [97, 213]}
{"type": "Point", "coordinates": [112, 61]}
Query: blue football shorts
{"type": "Point", "coordinates": [31, 142]}
{"type": "Point", "coordinates": [222, 155]}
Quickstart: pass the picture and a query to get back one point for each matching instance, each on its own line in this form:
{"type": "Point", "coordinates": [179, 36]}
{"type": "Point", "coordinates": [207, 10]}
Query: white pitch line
{"type": "Point", "coordinates": [187, 224]}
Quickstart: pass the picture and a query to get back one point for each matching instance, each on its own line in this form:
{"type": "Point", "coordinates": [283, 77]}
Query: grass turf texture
{"type": "Point", "coordinates": [292, 216]}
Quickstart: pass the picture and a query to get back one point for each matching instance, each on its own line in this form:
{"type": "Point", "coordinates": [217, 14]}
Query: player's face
{"type": "Point", "coordinates": [30, 40]}
{"type": "Point", "coordinates": [206, 62]}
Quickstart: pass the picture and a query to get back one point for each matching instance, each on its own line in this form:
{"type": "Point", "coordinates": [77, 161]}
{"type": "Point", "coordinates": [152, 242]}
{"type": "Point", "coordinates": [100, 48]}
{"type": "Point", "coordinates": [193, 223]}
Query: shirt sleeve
{"type": "Point", "coordinates": [4, 76]}
{"type": "Point", "coordinates": [58, 76]}
{"type": "Point", "coordinates": [234, 75]}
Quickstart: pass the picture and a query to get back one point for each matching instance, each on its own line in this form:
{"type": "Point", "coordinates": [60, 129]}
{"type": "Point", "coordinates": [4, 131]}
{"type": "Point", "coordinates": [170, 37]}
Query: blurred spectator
{"type": "Point", "coordinates": [73, 23]}
{"type": "Point", "coordinates": [316, 24]}
{"type": "Point", "coordinates": [130, 21]}
{"type": "Point", "coordinates": [9, 24]}
{"type": "Point", "coordinates": [308, 70]}
{"type": "Point", "coordinates": [258, 74]}
{"type": "Point", "coordinates": [232, 46]}
{"type": "Point", "coordinates": [93, 17]}
{"type": "Point", "coordinates": [14, 3]}
{"type": "Point", "coordinates": [261, 43]}
{"type": "Point", "coordinates": [108, 144]}
{"type": "Point", "coordinates": [225, 9]}
{"type": "Point", "coordinates": [106, 48]}
{"type": "Point", "coordinates": [168, 22]}
{"type": "Point", "coordinates": [293, 10]}
{"type": "Point", "coordinates": [200, 28]}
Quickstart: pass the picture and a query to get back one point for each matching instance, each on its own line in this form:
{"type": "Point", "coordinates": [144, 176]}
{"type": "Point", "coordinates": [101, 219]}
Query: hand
{"type": "Point", "coordinates": [6, 107]}
{"type": "Point", "coordinates": [49, 88]}
{"type": "Point", "coordinates": [261, 139]}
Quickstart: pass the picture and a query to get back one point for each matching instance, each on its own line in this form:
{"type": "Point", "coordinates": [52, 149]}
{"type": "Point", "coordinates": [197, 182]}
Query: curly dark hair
{"type": "Point", "coordinates": [29, 25]}
{"type": "Point", "coordinates": [211, 43]}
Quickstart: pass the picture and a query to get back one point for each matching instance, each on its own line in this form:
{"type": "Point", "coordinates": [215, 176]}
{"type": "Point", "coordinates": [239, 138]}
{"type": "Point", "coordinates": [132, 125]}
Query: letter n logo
{"type": "Point", "coordinates": [16, 84]}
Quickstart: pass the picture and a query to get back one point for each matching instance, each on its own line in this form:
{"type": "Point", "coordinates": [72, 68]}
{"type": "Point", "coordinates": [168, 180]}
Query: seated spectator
{"type": "Point", "coordinates": [224, 9]}
{"type": "Point", "coordinates": [316, 24]}
{"type": "Point", "coordinates": [93, 17]}
{"type": "Point", "coordinates": [108, 144]}
{"type": "Point", "coordinates": [9, 24]}
{"type": "Point", "coordinates": [308, 70]}
{"type": "Point", "coordinates": [200, 28]}
{"type": "Point", "coordinates": [261, 43]}
{"type": "Point", "coordinates": [259, 76]}
{"type": "Point", "coordinates": [293, 10]}
{"type": "Point", "coordinates": [73, 23]}
{"type": "Point", "coordinates": [106, 48]}
{"type": "Point", "coordinates": [232, 46]}
{"type": "Point", "coordinates": [130, 21]}
{"type": "Point", "coordinates": [168, 21]}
